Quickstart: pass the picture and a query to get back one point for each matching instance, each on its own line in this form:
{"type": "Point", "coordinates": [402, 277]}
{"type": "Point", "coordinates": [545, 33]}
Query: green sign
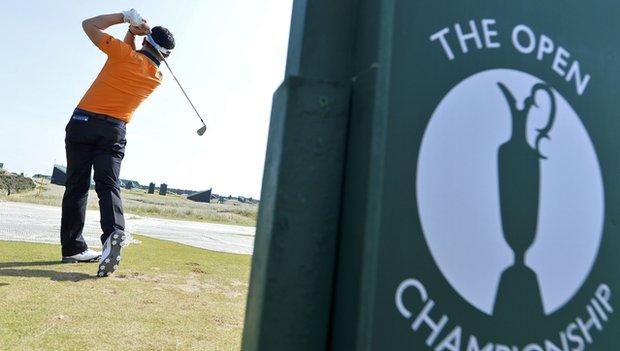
{"type": "Point", "coordinates": [441, 176]}
{"type": "Point", "coordinates": [498, 203]}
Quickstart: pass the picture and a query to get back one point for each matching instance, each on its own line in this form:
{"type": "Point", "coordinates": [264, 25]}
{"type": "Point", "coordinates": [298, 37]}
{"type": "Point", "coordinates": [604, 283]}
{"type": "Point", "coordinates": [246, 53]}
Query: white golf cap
{"type": "Point", "coordinates": [162, 50]}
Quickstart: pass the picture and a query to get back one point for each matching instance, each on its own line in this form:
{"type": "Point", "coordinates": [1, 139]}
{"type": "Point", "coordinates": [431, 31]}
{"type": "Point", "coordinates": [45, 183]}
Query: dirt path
{"type": "Point", "coordinates": [37, 223]}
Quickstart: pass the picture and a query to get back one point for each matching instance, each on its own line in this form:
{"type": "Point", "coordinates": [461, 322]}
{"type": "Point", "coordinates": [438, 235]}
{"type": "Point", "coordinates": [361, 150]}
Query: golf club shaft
{"type": "Point", "coordinates": [183, 90]}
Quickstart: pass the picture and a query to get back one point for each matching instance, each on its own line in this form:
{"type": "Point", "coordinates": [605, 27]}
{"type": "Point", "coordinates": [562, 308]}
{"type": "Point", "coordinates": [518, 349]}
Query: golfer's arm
{"type": "Point", "coordinates": [130, 39]}
{"type": "Point", "coordinates": [94, 27]}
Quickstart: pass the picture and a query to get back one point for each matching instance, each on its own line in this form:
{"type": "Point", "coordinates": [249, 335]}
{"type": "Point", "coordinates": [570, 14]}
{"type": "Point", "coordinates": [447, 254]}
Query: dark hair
{"type": "Point", "coordinates": [163, 37]}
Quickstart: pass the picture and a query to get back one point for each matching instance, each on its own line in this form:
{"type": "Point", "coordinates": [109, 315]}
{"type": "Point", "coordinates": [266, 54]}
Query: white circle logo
{"type": "Point", "coordinates": [509, 191]}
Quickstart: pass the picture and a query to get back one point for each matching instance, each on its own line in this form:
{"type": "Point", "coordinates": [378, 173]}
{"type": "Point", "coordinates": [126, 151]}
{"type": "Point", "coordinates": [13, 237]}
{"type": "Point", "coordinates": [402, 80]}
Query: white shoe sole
{"type": "Point", "coordinates": [111, 258]}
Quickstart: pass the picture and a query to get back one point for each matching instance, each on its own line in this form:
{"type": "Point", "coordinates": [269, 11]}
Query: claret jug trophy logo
{"type": "Point", "coordinates": [510, 197]}
{"type": "Point", "coordinates": [519, 188]}
{"type": "Point", "coordinates": [510, 194]}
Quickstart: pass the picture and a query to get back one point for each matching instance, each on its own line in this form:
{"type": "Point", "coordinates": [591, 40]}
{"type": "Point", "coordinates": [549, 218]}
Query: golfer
{"type": "Point", "coordinates": [95, 135]}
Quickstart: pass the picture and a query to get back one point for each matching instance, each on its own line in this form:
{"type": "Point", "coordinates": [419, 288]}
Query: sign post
{"type": "Point", "coordinates": [479, 208]}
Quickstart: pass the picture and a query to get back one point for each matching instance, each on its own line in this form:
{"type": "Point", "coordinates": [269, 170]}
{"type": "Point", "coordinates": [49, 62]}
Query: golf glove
{"type": "Point", "coordinates": [132, 17]}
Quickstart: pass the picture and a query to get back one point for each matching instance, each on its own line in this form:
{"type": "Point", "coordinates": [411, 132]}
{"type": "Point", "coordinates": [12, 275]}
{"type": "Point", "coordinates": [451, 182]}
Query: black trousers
{"type": "Point", "coordinates": [99, 144]}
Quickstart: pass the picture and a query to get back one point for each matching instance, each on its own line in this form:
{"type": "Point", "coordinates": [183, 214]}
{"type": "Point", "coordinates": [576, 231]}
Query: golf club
{"type": "Point", "coordinates": [202, 129]}
{"type": "Point", "coordinates": [162, 52]}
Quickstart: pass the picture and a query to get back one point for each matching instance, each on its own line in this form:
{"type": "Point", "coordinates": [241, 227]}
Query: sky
{"type": "Point", "coordinates": [230, 57]}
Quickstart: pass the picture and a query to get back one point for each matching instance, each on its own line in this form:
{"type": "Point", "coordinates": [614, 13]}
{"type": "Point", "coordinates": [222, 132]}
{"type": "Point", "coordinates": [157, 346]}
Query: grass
{"type": "Point", "coordinates": [165, 296]}
{"type": "Point", "coordinates": [139, 202]}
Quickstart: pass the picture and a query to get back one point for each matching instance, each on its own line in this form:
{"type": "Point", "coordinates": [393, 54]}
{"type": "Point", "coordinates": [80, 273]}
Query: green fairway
{"type": "Point", "coordinates": [165, 296]}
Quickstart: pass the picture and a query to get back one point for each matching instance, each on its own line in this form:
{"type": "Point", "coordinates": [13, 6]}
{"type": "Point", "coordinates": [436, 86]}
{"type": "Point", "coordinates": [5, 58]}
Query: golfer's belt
{"type": "Point", "coordinates": [80, 112]}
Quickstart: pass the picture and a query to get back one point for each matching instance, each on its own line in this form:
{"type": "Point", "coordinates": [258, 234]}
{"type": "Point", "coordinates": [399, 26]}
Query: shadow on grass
{"type": "Point", "coordinates": [28, 264]}
{"type": "Point", "coordinates": [8, 269]}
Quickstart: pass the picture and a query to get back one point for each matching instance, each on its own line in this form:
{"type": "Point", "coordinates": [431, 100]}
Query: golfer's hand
{"type": "Point", "coordinates": [132, 17]}
{"type": "Point", "coordinates": [142, 29]}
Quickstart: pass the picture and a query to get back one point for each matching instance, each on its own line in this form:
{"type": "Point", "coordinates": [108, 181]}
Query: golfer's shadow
{"type": "Point", "coordinates": [12, 269]}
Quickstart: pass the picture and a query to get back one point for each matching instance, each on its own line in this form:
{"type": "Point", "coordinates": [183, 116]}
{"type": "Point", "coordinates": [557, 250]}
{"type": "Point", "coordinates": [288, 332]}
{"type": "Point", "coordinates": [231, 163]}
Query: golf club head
{"type": "Point", "coordinates": [202, 130]}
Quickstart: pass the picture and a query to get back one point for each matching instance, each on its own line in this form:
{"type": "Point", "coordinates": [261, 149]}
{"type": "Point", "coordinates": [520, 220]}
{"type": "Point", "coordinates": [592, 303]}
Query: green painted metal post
{"type": "Point", "coordinates": [469, 201]}
{"type": "Point", "coordinates": [295, 248]}
{"type": "Point", "coordinates": [352, 313]}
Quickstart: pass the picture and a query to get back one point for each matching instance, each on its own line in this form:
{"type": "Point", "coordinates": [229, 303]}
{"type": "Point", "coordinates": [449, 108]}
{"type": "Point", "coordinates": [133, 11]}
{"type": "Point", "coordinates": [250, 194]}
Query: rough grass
{"type": "Point", "coordinates": [14, 183]}
{"type": "Point", "coordinates": [139, 202]}
{"type": "Point", "coordinates": [165, 296]}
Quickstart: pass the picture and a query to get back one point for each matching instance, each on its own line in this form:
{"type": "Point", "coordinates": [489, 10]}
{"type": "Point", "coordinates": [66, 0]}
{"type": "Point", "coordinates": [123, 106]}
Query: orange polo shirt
{"type": "Point", "coordinates": [127, 78]}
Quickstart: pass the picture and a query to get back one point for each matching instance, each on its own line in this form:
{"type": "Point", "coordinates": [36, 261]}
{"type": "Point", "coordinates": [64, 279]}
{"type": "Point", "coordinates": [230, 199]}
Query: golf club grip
{"type": "Point", "coordinates": [183, 90]}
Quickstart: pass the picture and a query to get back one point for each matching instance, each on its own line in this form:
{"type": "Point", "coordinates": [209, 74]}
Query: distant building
{"type": "Point", "coordinates": [59, 175]}
{"type": "Point", "coordinates": [152, 188]}
{"type": "Point", "coordinates": [202, 196]}
{"type": "Point", "coordinates": [163, 189]}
